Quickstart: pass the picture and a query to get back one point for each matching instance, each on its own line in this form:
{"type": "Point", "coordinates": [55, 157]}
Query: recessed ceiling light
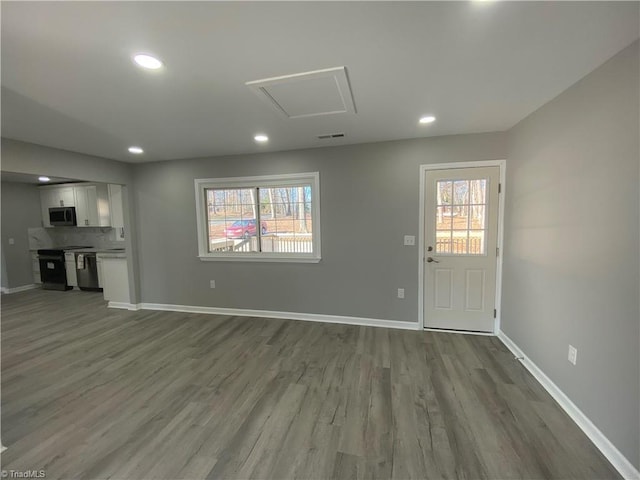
{"type": "Point", "coordinates": [428, 119]}
{"type": "Point", "coordinates": [261, 138]}
{"type": "Point", "coordinates": [44, 179]}
{"type": "Point", "coordinates": [136, 150]}
{"type": "Point", "coordinates": [147, 61]}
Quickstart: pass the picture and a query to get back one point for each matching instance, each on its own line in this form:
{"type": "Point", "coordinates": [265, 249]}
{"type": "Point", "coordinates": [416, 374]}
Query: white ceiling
{"type": "Point", "coordinates": [68, 80]}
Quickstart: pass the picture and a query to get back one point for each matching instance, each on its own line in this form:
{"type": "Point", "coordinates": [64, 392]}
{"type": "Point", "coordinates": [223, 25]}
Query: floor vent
{"type": "Point", "coordinates": [331, 135]}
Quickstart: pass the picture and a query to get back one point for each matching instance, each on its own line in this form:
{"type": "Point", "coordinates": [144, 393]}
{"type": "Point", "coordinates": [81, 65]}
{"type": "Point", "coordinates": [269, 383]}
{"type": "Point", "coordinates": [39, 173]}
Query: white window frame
{"type": "Point", "coordinates": [263, 181]}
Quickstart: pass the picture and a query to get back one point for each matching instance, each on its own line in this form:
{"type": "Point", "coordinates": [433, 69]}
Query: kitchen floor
{"type": "Point", "coordinates": [91, 392]}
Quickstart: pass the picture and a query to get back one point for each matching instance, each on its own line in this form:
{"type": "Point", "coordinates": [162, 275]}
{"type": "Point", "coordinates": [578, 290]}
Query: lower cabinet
{"type": "Point", "coordinates": [70, 264]}
{"type": "Point", "coordinates": [35, 267]}
{"type": "Point", "coordinates": [99, 268]}
{"type": "Point", "coordinates": [115, 278]}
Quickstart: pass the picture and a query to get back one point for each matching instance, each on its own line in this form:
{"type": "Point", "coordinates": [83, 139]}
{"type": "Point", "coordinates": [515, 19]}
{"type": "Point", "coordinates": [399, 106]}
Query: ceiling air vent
{"type": "Point", "coordinates": [308, 94]}
{"type": "Point", "coordinates": [331, 135]}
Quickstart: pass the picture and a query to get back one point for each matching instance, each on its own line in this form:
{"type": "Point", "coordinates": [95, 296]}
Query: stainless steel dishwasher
{"type": "Point", "coordinates": [87, 272]}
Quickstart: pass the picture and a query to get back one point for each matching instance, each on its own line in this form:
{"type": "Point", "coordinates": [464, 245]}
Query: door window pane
{"type": "Point", "coordinates": [477, 217]}
{"type": "Point", "coordinates": [443, 218]}
{"type": "Point", "coordinates": [443, 242]}
{"type": "Point", "coordinates": [444, 193]}
{"type": "Point", "coordinates": [461, 192]}
{"type": "Point", "coordinates": [459, 242]}
{"type": "Point", "coordinates": [476, 242]}
{"type": "Point", "coordinates": [460, 223]}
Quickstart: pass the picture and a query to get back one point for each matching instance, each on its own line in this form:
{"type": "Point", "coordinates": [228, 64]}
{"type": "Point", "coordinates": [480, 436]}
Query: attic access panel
{"type": "Point", "coordinates": [308, 94]}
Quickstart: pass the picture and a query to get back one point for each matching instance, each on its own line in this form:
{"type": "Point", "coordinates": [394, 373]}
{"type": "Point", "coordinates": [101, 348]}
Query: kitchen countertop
{"type": "Point", "coordinates": [97, 250]}
{"type": "Point", "coordinates": [104, 252]}
{"type": "Point", "coordinates": [112, 254]}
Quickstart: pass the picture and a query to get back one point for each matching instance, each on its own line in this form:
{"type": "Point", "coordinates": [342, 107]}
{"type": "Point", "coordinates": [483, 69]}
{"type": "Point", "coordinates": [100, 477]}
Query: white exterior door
{"type": "Point", "coordinates": [461, 232]}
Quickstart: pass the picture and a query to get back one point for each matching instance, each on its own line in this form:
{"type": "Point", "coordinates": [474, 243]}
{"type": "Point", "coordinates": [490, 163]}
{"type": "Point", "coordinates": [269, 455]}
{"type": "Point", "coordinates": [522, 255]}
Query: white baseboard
{"type": "Point", "coordinates": [460, 332]}
{"type": "Point", "coordinates": [242, 312]}
{"type": "Point", "coordinates": [21, 288]}
{"type": "Point", "coordinates": [617, 459]}
{"type": "Point", "coordinates": [124, 305]}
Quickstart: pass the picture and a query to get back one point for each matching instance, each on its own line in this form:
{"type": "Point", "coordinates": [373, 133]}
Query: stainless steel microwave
{"type": "Point", "coordinates": [62, 216]}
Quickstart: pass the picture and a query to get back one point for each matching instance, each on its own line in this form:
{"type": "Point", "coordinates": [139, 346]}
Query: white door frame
{"type": "Point", "coordinates": [502, 164]}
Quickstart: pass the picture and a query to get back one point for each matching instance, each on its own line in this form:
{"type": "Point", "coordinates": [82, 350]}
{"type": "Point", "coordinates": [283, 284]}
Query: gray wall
{"type": "Point", "coordinates": [572, 245]}
{"type": "Point", "coordinates": [20, 210]}
{"type": "Point", "coordinates": [22, 157]}
{"type": "Point", "coordinates": [5, 280]}
{"type": "Point", "coordinates": [369, 201]}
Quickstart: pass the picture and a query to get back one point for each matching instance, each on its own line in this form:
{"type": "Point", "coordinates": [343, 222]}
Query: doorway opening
{"type": "Point", "coordinates": [460, 246]}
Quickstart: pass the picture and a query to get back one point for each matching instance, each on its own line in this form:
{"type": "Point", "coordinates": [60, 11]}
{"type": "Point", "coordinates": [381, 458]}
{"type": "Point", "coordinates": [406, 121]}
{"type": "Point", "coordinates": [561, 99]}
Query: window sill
{"type": "Point", "coordinates": [257, 258]}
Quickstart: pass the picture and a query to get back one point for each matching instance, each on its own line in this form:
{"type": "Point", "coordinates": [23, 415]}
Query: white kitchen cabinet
{"type": "Point", "coordinates": [44, 206]}
{"type": "Point", "coordinates": [35, 264]}
{"type": "Point", "coordinates": [92, 205]}
{"type": "Point", "coordinates": [92, 202]}
{"type": "Point", "coordinates": [70, 265]}
{"type": "Point", "coordinates": [115, 278]}
{"type": "Point", "coordinates": [51, 197]}
{"type": "Point", "coordinates": [99, 268]}
{"type": "Point", "coordinates": [116, 210]}
{"type": "Point", "coordinates": [86, 206]}
{"type": "Point", "coordinates": [61, 197]}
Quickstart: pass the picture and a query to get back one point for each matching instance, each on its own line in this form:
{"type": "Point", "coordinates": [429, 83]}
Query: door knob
{"type": "Point", "coordinates": [431, 260]}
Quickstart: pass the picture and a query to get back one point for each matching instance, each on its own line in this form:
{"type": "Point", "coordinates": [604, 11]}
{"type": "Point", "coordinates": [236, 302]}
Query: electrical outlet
{"type": "Point", "coordinates": [573, 354]}
{"type": "Point", "coordinates": [401, 293]}
{"type": "Point", "coordinates": [212, 283]}
{"type": "Point", "coordinates": [409, 240]}
{"type": "Point", "coordinates": [12, 241]}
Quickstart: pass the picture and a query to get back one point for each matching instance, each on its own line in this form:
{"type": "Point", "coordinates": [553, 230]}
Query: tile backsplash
{"type": "Point", "coordinates": [99, 237]}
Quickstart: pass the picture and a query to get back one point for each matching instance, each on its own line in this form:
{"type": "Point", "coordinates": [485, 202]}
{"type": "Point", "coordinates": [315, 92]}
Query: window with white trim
{"type": "Point", "coordinates": [267, 218]}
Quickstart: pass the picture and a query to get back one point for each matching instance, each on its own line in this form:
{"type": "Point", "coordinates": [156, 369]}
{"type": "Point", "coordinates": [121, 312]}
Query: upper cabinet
{"type": "Point", "coordinates": [96, 204]}
{"type": "Point", "coordinates": [61, 197]}
{"type": "Point", "coordinates": [92, 205]}
{"type": "Point", "coordinates": [55, 197]}
{"type": "Point", "coordinates": [116, 209]}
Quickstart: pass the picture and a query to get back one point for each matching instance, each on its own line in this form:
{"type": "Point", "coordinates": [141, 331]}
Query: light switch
{"type": "Point", "coordinates": [12, 241]}
{"type": "Point", "coordinates": [409, 240]}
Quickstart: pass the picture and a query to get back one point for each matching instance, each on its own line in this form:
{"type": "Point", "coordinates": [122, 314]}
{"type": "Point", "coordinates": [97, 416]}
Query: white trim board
{"type": "Point", "coordinates": [244, 312]}
{"type": "Point", "coordinates": [602, 443]}
{"type": "Point", "coordinates": [502, 164]}
{"type": "Point", "coordinates": [461, 332]}
{"type": "Point", "coordinates": [21, 288]}
{"type": "Point", "coordinates": [124, 305]}
{"type": "Point", "coordinates": [289, 179]}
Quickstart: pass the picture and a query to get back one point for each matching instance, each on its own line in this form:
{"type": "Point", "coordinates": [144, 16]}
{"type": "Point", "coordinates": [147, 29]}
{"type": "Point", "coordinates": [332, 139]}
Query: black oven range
{"type": "Point", "coordinates": [53, 272]}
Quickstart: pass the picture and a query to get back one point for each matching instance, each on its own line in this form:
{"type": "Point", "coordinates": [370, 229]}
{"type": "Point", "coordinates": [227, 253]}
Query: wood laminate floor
{"type": "Point", "coordinates": [90, 392]}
